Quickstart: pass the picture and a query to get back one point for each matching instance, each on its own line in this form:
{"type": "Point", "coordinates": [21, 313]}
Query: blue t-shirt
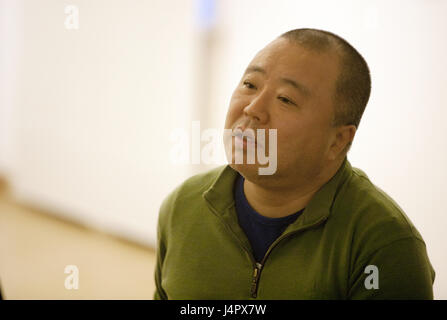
{"type": "Point", "coordinates": [261, 231]}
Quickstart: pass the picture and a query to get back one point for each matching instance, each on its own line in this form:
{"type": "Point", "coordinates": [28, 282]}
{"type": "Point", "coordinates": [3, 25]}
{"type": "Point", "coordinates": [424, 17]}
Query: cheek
{"type": "Point", "coordinates": [299, 138]}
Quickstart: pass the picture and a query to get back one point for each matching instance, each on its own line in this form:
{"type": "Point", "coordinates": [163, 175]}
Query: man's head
{"type": "Point", "coordinates": [353, 85]}
{"type": "Point", "coordinates": [310, 85]}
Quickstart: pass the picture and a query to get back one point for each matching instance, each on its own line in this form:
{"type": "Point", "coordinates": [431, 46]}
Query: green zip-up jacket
{"type": "Point", "coordinates": [351, 242]}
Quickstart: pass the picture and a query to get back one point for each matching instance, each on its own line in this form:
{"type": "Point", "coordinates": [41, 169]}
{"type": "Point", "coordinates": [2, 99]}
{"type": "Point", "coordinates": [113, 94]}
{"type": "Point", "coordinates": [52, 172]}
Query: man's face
{"type": "Point", "coordinates": [288, 88]}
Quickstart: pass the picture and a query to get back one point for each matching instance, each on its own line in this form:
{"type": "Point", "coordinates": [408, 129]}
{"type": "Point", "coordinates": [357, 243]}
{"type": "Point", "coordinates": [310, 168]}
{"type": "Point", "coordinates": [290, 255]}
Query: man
{"type": "Point", "coordinates": [315, 228]}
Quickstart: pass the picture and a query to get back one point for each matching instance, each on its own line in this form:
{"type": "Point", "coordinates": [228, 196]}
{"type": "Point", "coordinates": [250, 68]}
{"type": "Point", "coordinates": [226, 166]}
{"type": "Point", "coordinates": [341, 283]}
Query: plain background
{"type": "Point", "coordinates": [87, 115]}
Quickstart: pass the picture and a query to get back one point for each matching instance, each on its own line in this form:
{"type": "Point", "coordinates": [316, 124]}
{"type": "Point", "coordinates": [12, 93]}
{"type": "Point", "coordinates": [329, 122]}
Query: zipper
{"type": "Point", "coordinates": [250, 255]}
{"type": "Point", "coordinates": [257, 267]}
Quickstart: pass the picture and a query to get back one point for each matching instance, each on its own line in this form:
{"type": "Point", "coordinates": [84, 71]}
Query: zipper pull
{"type": "Point", "coordinates": [254, 283]}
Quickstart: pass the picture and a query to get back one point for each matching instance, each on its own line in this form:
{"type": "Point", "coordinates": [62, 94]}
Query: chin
{"type": "Point", "coordinates": [245, 169]}
{"type": "Point", "coordinates": [251, 172]}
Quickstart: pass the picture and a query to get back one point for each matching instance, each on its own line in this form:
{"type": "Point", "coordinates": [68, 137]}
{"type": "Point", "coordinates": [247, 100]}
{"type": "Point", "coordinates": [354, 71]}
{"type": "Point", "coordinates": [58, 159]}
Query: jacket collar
{"type": "Point", "coordinates": [221, 197]}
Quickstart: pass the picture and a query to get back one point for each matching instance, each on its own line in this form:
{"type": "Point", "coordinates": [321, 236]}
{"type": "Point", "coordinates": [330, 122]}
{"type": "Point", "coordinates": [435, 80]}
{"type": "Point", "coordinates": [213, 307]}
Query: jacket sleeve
{"type": "Point", "coordinates": [159, 293]}
{"type": "Point", "coordinates": [400, 270]}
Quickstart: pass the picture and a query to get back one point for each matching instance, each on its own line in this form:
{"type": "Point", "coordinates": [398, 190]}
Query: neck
{"type": "Point", "coordinates": [280, 202]}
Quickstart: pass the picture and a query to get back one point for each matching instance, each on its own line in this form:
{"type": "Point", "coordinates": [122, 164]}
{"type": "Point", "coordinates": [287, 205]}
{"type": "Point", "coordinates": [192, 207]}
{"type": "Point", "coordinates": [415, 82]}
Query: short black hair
{"type": "Point", "coordinates": [353, 86]}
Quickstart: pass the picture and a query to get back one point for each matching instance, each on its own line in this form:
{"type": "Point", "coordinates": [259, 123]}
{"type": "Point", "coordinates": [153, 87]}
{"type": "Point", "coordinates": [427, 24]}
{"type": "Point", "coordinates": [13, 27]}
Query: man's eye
{"type": "Point", "coordinates": [249, 85]}
{"type": "Point", "coordinates": [285, 100]}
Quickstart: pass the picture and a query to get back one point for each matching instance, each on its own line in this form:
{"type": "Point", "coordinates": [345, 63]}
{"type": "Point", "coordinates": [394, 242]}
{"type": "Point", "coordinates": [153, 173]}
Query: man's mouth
{"type": "Point", "coordinates": [245, 137]}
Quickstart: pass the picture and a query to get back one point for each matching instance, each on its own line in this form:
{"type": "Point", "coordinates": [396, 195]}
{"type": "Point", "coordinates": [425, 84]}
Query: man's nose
{"type": "Point", "coordinates": [258, 107]}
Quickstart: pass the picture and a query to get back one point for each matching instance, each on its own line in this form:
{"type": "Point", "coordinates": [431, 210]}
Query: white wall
{"type": "Point", "coordinates": [10, 54]}
{"type": "Point", "coordinates": [401, 139]}
{"type": "Point", "coordinates": [92, 109]}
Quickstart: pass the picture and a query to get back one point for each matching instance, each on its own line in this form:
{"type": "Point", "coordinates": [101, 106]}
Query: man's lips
{"type": "Point", "coordinates": [248, 138]}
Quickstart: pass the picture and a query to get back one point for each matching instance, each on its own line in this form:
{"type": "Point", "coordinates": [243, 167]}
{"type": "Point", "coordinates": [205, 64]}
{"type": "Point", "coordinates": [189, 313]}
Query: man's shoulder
{"type": "Point", "coordinates": [368, 196]}
{"type": "Point", "coordinates": [203, 180]}
{"type": "Point", "coordinates": [191, 189]}
{"type": "Point", "coordinates": [199, 183]}
{"type": "Point", "coordinates": [375, 225]}
{"type": "Point", "coordinates": [374, 211]}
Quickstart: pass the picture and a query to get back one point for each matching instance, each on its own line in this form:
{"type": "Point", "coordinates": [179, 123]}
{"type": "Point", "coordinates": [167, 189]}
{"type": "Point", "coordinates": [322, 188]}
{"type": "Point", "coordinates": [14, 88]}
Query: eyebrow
{"type": "Point", "coordinates": [300, 87]}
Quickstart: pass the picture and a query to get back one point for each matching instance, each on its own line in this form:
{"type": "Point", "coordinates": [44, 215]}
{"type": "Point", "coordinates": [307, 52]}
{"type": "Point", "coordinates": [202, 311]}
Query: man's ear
{"type": "Point", "coordinates": [343, 136]}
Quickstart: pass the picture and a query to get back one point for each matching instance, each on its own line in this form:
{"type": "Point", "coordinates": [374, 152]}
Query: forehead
{"type": "Point", "coordinates": [281, 58]}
